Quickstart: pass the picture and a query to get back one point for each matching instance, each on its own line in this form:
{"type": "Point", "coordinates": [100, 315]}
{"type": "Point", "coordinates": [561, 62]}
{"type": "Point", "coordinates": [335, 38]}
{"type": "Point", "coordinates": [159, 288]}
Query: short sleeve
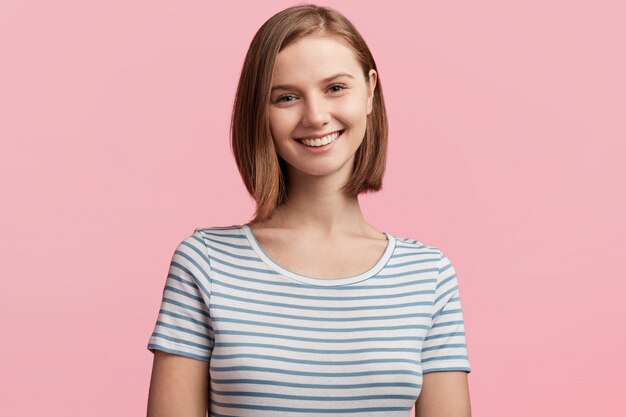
{"type": "Point", "coordinates": [444, 348]}
{"type": "Point", "coordinates": [183, 325]}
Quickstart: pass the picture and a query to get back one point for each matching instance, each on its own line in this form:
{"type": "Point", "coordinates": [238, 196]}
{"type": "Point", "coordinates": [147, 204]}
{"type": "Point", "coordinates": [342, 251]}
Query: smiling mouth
{"type": "Point", "coordinates": [321, 141]}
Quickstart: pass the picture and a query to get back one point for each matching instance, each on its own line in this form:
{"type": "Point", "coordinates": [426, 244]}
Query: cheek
{"type": "Point", "coordinates": [282, 122]}
{"type": "Point", "coordinates": [281, 128]}
{"type": "Point", "coordinates": [354, 110]}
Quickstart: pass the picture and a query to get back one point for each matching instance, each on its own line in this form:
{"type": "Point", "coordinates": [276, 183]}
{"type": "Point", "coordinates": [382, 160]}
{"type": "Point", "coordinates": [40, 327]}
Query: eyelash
{"type": "Point", "coordinates": [280, 99]}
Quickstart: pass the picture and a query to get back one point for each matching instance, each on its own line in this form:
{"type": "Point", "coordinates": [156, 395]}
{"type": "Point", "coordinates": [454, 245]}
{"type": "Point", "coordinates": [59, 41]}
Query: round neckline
{"type": "Point", "coordinates": [326, 282]}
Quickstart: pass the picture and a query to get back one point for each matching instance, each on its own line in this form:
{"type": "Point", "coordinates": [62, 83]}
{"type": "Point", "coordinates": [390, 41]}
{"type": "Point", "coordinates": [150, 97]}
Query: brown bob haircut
{"type": "Point", "coordinates": [262, 169]}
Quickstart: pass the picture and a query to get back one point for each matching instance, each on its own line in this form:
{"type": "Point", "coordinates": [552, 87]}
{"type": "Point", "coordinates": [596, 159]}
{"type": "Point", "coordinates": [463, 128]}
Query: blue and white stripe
{"type": "Point", "coordinates": [283, 344]}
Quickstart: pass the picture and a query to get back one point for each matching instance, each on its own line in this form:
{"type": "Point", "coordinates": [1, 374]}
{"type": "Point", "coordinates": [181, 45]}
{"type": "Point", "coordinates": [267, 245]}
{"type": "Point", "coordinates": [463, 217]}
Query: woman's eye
{"type": "Point", "coordinates": [282, 98]}
{"type": "Point", "coordinates": [340, 86]}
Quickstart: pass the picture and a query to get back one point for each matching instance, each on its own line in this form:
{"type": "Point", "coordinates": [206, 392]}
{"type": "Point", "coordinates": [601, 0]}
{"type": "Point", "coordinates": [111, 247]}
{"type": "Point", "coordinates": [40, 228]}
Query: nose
{"type": "Point", "coordinates": [316, 113]}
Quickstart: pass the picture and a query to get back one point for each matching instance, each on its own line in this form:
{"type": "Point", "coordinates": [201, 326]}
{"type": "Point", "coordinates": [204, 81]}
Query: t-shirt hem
{"type": "Point", "coordinates": [176, 349]}
{"type": "Point", "coordinates": [440, 366]}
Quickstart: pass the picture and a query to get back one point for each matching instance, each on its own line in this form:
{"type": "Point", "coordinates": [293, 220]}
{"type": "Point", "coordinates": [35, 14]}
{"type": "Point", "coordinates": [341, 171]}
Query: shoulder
{"type": "Point", "coordinates": [216, 232]}
{"type": "Point", "coordinates": [418, 255]}
{"type": "Point", "coordinates": [201, 239]}
{"type": "Point", "coordinates": [220, 238]}
{"type": "Point", "coordinates": [414, 245]}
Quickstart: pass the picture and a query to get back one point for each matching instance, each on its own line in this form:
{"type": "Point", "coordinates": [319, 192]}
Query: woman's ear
{"type": "Point", "coordinates": [373, 77]}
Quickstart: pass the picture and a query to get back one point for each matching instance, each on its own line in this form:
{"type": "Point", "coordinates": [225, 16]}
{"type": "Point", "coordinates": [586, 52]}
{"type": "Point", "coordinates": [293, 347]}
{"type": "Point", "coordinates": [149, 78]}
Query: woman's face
{"type": "Point", "coordinates": [318, 88]}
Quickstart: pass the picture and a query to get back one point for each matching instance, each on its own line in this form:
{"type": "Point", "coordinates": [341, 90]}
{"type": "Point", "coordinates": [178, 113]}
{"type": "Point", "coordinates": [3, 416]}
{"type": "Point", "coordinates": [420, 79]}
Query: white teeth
{"type": "Point", "coordinates": [320, 141]}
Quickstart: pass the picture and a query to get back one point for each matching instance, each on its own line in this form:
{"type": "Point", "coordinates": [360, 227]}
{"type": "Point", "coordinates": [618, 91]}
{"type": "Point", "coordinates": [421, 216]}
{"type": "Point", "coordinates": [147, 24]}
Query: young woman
{"type": "Point", "coordinates": [308, 309]}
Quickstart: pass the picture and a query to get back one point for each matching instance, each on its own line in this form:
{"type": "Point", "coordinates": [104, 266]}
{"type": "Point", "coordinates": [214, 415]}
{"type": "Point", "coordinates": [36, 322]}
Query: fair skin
{"type": "Point", "coordinates": [444, 394]}
{"type": "Point", "coordinates": [178, 386]}
{"type": "Point", "coordinates": [305, 101]}
{"type": "Point", "coordinates": [333, 238]}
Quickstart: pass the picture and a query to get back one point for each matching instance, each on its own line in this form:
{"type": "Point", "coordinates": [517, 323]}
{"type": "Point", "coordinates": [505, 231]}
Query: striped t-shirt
{"type": "Point", "coordinates": [280, 343]}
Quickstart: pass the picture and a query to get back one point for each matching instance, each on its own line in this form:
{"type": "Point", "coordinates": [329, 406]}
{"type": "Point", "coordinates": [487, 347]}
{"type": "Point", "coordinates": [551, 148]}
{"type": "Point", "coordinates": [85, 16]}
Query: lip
{"type": "Point", "coordinates": [323, 148]}
{"type": "Point", "coordinates": [319, 136]}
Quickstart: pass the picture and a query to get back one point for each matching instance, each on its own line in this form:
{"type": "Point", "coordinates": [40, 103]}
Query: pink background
{"type": "Point", "coordinates": [506, 150]}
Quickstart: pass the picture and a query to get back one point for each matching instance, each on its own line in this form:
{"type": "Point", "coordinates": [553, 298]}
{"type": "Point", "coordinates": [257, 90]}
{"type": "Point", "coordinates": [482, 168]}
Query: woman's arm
{"type": "Point", "coordinates": [444, 394]}
{"type": "Point", "coordinates": [179, 386]}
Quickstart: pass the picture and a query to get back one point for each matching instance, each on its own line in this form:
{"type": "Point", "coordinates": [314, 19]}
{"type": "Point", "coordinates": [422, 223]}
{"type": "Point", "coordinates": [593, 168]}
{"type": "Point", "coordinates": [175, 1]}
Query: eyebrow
{"type": "Point", "coordinates": [325, 80]}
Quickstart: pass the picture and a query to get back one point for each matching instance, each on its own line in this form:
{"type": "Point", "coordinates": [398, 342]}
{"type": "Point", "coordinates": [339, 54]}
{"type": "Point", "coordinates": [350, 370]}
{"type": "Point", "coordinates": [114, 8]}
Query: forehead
{"type": "Point", "coordinates": [314, 58]}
